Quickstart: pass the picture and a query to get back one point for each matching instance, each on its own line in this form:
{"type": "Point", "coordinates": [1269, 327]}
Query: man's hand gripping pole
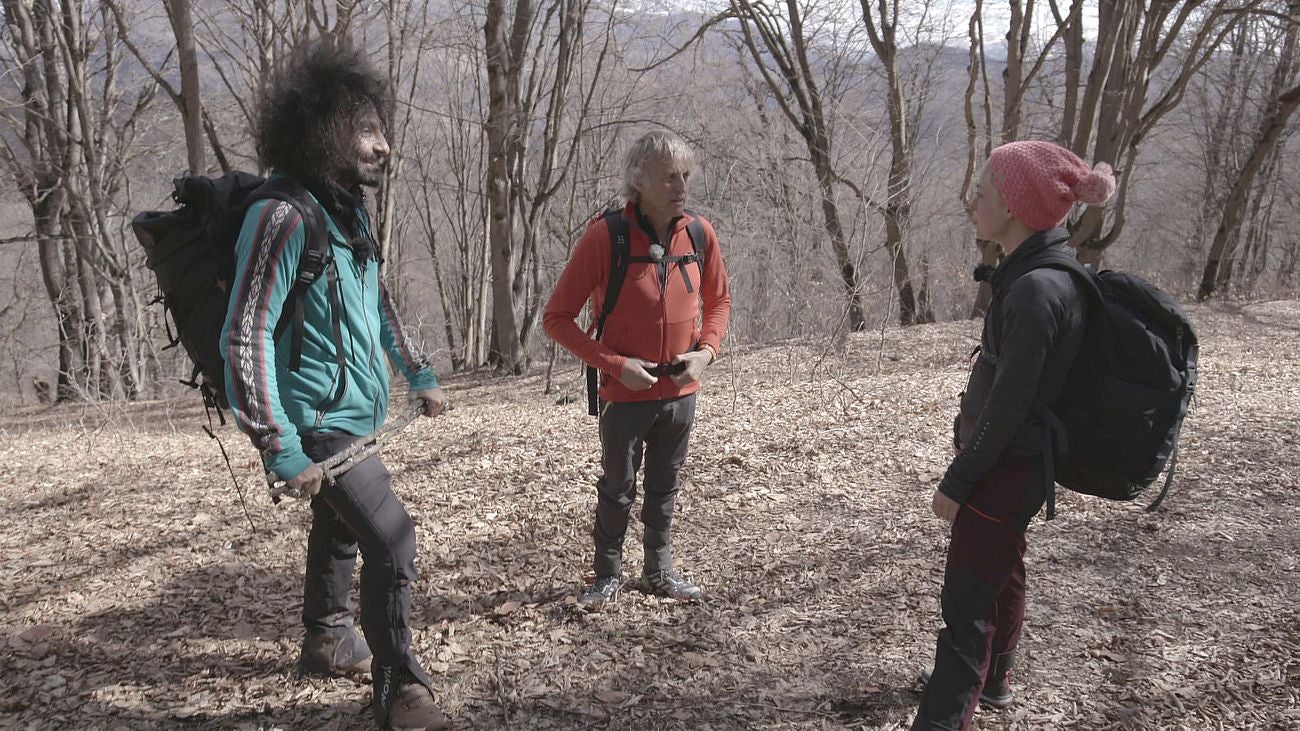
{"type": "Point", "coordinates": [337, 464]}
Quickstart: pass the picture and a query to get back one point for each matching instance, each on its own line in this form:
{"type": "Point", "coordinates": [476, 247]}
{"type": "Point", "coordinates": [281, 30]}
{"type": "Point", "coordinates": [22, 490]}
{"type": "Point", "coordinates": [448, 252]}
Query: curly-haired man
{"type": "Point", "coordinates": [301, 396]}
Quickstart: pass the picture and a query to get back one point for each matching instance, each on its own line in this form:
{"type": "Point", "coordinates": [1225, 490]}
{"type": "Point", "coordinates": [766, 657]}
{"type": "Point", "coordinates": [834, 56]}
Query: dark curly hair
{"type": "Point", "coordinates": [309, 108]}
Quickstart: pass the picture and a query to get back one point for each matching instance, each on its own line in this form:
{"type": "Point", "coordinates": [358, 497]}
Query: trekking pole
{"type": "Point", "coordinates": [337, 464]}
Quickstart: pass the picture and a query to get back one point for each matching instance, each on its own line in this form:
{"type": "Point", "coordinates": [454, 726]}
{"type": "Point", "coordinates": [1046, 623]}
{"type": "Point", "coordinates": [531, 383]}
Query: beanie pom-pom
{"type": "Point", "coordinates": [1097, 186]}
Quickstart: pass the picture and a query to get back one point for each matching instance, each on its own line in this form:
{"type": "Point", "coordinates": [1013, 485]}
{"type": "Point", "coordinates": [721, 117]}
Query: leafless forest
{"type": "Point", "coordinates": [148, 587]}
{"type": "Point", "coordinates": [836, 143]}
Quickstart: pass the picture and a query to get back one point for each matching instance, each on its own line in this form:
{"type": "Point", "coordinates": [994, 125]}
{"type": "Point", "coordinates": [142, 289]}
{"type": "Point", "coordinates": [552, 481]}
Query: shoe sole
{"type": "Point", "coordinates": [352, 671]}
{"type": "Point", "coordinates": [651, 591]}
{"type": "Point", "coordinates": [1000, 704]}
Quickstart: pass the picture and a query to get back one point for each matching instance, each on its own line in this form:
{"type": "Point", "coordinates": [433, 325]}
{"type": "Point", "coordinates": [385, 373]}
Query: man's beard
{"type": "Point", "coordinates": [369, 174]}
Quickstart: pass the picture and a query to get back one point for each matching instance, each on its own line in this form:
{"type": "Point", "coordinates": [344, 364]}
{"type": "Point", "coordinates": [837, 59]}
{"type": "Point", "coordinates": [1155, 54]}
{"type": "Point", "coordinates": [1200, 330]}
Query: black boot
{"type": "Point", "coordinates": [997, 689]}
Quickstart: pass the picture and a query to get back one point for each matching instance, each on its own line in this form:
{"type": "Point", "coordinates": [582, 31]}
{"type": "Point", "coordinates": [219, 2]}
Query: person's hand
{"type": "Point", "coordinates": [434, 400]}
{"type": "Point", "coordinates": [306, 482]}
{"type": "Point", "coordinates": [696, 361]}
{"type": "Point", "coordinates": [945, 507]}
{"type": "Point", "coordinates": [634, 375]}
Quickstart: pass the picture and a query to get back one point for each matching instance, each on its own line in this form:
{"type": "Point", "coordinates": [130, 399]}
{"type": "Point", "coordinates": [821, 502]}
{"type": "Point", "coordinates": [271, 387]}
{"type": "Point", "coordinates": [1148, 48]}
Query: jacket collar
{"type": "Point", "coordinates": [632, 212]}
{"type": "Point", "coordinates": [345, 208]}
{"type": "Point", "coordinates": [1035, 252]}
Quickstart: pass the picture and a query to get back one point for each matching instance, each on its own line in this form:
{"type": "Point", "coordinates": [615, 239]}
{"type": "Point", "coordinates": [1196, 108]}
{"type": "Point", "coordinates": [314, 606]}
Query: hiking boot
{"type": "Point", "coordinates": [997, 691]}
{"type": "Point", "coordinates": [601, 592]}
{"type": "Point", "coordinates": [668, 584]}
{"type": "Point", "coordinates": [414, 708]}
{"type": "Point", "coordinates": [333, 655]}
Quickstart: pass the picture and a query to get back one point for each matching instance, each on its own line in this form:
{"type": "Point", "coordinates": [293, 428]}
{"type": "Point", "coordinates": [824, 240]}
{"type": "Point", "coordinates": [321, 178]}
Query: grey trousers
{"type": "Point", "coordinates": [656, 433]}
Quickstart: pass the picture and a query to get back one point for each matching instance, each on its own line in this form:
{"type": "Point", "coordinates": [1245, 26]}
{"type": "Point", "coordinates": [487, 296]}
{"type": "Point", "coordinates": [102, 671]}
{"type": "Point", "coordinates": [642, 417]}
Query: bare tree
{"type": "Point", "coordinates": [1244, 198]}
{"type": "Point", "coordinates": [1218, 270]}
{"type": "Point", "coordinates": [178, 12]}
{"type": "Point", "coordinates": [778, 43]}
{"type": "Point", "coordinates": [446, 192]}
{"type": "Point", "coordinates": [882, 23]}
{"type": "Point", "coordinates": [74, 134]}
{"type": "Point", "coordinates": [1145, 57]}
{"type": "Point", "coordinates": [188, 97]}
{"type": "Point", "coordinates": [530, 73]}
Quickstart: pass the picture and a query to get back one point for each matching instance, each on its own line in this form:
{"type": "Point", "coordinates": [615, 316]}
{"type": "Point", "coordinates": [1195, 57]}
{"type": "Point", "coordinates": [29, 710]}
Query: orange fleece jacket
{"type": "Point", "coordinates": [652, 320]}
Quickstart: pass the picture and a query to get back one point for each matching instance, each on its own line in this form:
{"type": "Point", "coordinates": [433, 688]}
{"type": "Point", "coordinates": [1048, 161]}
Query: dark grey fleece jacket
{"type": "Point", "coordinates": [1032, 333]}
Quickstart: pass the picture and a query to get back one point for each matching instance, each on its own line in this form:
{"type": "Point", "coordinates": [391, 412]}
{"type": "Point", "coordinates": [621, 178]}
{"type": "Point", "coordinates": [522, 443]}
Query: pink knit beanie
{"type": "Point", "coordinates": [1039, 181]}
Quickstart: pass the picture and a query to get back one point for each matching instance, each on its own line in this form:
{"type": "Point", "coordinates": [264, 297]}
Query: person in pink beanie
{"type": "Point", "coordinates": [998, 479]}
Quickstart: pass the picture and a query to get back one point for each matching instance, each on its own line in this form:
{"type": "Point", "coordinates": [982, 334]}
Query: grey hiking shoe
{"type": "Point", "coordinates": [601, 592]}
{"type": "Point", "coordinates": [668, 584]}
{"type": "Point", "coordinates": [334, 655]}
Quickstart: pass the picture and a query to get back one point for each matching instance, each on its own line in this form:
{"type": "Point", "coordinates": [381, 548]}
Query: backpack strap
{"type": "Point", "coordinates": [336, 326]}
{"type": "Point", "coordinates": [1169, 475]}
{"type": "Point", "coordinates": [619, 250]}
{"type": "Point", "coordinates": [316, 260]}
{"type": "Point", "coordinates": [1055, 439]}
{"type": "Point", "coordinates": [695, 230]}
{"type": "Point", "coordinates": [315, 257]}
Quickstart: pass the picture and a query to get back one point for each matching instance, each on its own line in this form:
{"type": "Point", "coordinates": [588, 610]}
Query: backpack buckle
{"type": "Point", "coordinates": [315, 263]}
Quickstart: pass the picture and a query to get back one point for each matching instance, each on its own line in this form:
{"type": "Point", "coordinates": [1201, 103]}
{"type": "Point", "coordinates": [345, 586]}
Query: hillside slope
{"type": "Point", "coordinates": [135, 594]}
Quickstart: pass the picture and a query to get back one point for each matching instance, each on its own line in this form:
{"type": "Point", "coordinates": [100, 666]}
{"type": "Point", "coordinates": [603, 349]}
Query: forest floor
{"type": "Point", "coordinates": [135, 594]}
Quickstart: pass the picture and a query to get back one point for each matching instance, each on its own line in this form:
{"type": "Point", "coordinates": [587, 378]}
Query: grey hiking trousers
{"type": "Point", "coordinates": [655, 433]}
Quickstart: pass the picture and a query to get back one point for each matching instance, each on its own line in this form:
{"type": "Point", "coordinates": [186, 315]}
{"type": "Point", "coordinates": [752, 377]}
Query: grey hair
{"type": "Point", "coordinates": [656, 145]}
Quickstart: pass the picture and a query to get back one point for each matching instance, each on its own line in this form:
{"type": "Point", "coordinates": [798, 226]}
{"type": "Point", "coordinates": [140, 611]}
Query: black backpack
{"type": "Point", "coordinates": [1116, 424]}
{"type": "Point", "coordinates": [620, 249]}
{"type": "Point", "coordinates": [191, 250]}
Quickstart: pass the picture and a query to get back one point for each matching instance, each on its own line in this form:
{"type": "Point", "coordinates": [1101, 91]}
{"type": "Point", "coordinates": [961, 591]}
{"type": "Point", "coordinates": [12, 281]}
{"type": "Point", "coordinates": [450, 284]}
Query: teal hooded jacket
{"type": "Point", "coordinates": [272, 404]}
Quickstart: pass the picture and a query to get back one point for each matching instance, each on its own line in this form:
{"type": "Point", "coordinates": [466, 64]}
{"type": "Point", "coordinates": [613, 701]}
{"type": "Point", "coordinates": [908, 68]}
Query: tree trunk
{"type": "Point", "coordinates": [795, 88]}
{"type": "Point", "coordinates": [1270, 131]}
{"type": "Point", "coordinates": [178, 12]}
{"type": "Point", "coordinates": [898, 208]}
{"type": "Point", "coordinates": [508, 354]}
{"type": "Point", "coordinates": [839, 242]}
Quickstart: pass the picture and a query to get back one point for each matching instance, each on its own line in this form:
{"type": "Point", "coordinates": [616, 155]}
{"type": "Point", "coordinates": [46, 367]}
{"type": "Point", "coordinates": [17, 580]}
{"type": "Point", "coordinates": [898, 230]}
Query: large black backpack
{"type": "Point", "coordinates": [620, 250]}
{"type": "Point", "coordinates": [1115, 427]}
{"type": "Point", "coordinates": [191, 250]}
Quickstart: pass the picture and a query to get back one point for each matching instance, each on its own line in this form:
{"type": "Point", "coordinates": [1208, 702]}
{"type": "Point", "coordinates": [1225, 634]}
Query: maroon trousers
{"type": "Point", "coordinates": [983, 598]}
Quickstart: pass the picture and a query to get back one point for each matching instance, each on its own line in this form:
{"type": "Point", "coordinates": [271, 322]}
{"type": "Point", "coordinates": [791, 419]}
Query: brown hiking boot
{"type": "Point", "coordinates": [332, 655]}
{"type": "Point", "coordinates": [414, 708]}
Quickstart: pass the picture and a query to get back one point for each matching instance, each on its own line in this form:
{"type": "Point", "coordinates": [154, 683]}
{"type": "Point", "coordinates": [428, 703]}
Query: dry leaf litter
{"type": "Point", "coordinates": [135, 595]}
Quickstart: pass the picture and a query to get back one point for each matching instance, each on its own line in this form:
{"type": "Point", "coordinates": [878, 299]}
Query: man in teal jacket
{"type": "Point", "coordinates": [320, 124]}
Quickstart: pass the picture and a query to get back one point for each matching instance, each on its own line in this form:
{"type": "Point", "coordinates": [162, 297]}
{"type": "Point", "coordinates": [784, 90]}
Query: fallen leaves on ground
{"type": "Point", "coordinates": [135, 595]}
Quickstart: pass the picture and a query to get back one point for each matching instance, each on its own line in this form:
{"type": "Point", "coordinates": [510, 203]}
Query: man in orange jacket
{"type": "Point", "coordinates": [666, 328]}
